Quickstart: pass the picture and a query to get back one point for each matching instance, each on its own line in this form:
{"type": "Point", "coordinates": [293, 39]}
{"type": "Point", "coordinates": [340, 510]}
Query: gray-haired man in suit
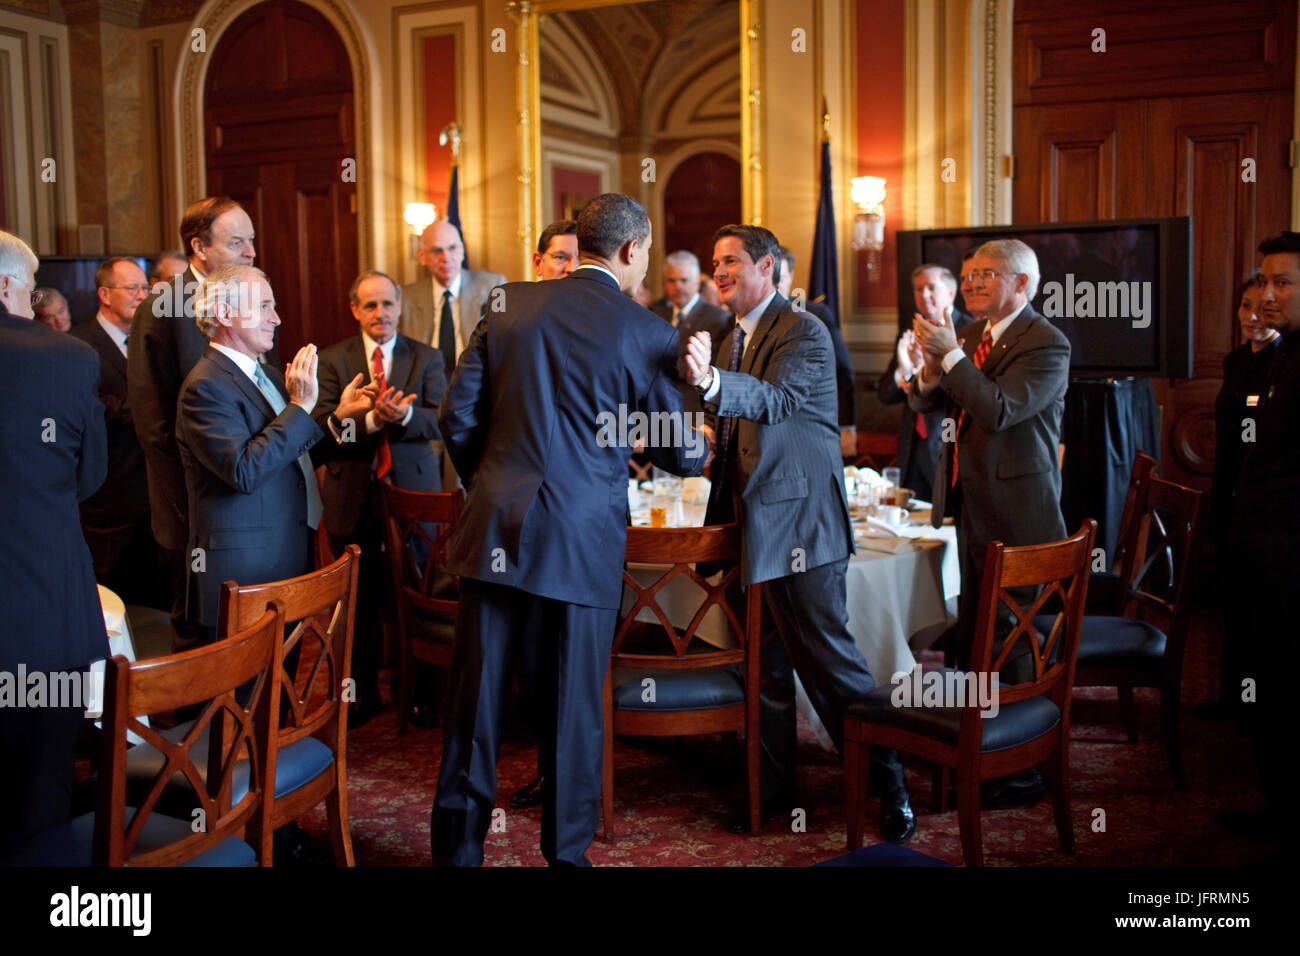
{"type": "Point", "coordinates": [441, 309]}
{"type": "Point", "coordinates": [778, 474]}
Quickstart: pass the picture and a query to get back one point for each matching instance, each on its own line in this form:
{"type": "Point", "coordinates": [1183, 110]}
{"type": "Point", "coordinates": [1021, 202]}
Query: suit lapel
{"type": "Point", "coordinates": [1006, 342]}
{"type": "Point", "coordinates": [761, 331]}
{"type": "Point", "coordinates": [246, 385]}
{"type": "Point", "coordinates": [108, 349]}
{"type": "Point", "coordinates": [403, 360]}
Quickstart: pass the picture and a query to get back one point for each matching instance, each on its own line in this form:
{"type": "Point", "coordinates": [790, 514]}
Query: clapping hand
{"type": "Point", "coordinates": [391, 405]}
{"type": "Point", "coordinates": [699, 358]}
{"type": "Point", "coordinates": [356, 399]}
{"type": "Point", "coordinates": [300, 379]}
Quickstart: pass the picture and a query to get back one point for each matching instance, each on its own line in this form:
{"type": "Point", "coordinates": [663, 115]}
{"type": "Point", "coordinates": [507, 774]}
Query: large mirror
{"type": "Point", "coordinates": [656, 100]}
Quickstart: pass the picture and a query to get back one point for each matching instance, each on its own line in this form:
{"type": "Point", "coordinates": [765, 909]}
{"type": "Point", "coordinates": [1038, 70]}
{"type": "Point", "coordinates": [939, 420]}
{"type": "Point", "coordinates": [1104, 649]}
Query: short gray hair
{"type": "Point", "coordinates": [228, 285]}
{"type": "Point", "coordinates": [1017, 257]}
{"type": "Point", "coordinates": [944, 273]}
{"type": "Point", "coordinates": [16, 257]}
{"type": "Point", "coordinates": [681, 259]}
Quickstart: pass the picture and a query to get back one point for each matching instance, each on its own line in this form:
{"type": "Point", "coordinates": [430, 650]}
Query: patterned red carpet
{"type": "Point", "coordinates": [672, 798]}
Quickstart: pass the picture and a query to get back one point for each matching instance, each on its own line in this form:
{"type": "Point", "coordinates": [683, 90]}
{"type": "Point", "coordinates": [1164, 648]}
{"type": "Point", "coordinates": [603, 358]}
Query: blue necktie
{"type": "Point", "coordinates": [304, 462]}
{"type": "Point", "coordinates": [737, 349]}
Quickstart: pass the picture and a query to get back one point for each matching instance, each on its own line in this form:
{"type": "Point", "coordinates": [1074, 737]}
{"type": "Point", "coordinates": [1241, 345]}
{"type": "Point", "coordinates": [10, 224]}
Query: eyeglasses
{"type": "Point", "coordinates": [986, 274]}
{"type": "Point", "coordinates": [133, 289]}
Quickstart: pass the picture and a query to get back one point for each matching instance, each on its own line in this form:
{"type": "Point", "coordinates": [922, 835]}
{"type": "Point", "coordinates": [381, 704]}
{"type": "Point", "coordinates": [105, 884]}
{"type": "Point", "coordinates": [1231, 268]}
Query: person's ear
{"type": "Point", "coordinates": [627, 251]}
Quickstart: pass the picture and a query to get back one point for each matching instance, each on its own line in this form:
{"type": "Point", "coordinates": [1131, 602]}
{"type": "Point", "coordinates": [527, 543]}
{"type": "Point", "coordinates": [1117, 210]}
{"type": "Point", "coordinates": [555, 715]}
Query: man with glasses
{"type": "Point", "coordinates": [52, 455]}
{"type": "Point", "coordinates": [116, 519]}
{"type": "Point", "coordinates": [1001, 384]}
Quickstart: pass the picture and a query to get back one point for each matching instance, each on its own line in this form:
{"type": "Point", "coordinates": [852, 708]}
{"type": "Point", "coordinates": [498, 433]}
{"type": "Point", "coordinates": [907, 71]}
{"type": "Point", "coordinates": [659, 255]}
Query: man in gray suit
{"type": "Point", "coordinates": [442, 309]}
{"type": "Point", "coordinates": [778, 474]}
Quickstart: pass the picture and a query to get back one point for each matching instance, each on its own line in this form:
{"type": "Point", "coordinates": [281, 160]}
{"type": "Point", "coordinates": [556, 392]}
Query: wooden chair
{"type": "Point", "coordinates": [1105, 595]}
{"type": "Point", "coordinates": [418, 525]}
{"type": "Point", "coordinates": [876, 450]}
{"type": "Point", "coordinates": [698, 688]}
{"type": "Point", "coordinates": [1032, 723]}
{"type": "Point", "coordinates": [1143, 644]}
{"type": "Point", "coordinates": [311, 730]}
{"type": "Point", "coordinates": [205, 760]}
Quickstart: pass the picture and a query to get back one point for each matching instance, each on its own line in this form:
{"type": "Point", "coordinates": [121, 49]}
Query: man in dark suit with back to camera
{"type": "Point", "coordinates": [540, 544]}
{"type": "Point", "coordinates": [244, 431]}
{"type": "Point", "coordinates": [934, 289]}
{"type": "Point", "coordinates": [779, 475]}
{"type": "Point", "coordinates": [116, 518]}
{"type": "Point", "coordinates": [393, 442]}
{"type": "Point", "coordinates": [53, 453]}
{"type": "Point", "coordinates": [166, 343]}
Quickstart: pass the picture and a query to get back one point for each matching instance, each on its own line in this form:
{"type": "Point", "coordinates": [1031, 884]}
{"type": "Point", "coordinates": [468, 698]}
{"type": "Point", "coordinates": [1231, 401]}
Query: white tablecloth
{"type": "Point", "coordinates": [119, 642]}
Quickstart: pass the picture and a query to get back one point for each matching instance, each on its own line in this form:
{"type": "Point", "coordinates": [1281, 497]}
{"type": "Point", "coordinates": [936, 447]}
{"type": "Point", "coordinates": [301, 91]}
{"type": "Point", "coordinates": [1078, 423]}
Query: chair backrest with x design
{"type": "Point", "coordinates": [235, 731]}
{"type": "Point", "coordinates": [419, 526]}
{"type": "Point", "coordinates": [1049, 580]}
{"type": "Point", "coordinates": [678, 551]}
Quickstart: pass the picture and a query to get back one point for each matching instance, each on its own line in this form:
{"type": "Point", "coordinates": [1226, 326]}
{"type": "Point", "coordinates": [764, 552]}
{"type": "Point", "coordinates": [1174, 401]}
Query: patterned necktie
{"type": "Point", "coordinates": [724, 430]}
{"type": "Point", "coordinates": [447, 334]}
{"type": "Point", "coordinates": [981, 353]}
{"type": "Point", "coordinates": [677, 315]}
{"type": "Point", "coordinates": [277, 403]}
{"type": "Point", "coordinates": [383, 456]}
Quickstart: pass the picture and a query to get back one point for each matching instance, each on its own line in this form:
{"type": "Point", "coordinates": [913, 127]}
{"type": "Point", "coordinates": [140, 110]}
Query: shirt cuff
{"type": "Point", "coordinates": [952, 358]}
{"type": "Point", "coordinates": [373, 424]}
{"type": "Point", "coordinates": [714, 387]}
{"type": "Point", "coordinates": [406, 419]}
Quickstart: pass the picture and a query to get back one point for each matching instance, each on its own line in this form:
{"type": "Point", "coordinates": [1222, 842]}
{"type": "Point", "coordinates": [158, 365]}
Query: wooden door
{"type": "Point", "coordinates": [281, 140]}
{"type": "Point", "coordinates": [702, 194]}
{"type": "Point", "coordinates": [1141, 130]}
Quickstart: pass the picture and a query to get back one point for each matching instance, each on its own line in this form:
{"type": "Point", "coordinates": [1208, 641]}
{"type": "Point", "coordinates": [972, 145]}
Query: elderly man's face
{"type": "Point", "coordinates": [16, 294]}
{"type": "Point", "coordinates": [995, 297]}
{"type": "Point", "coordinates": [129, 288]}
{"type": "Point", "coordinates": [442, 252]}
{"type": "Point", "coordinates": [680, 284]}
{"type": "Point", "coordinates": [1280, 292]}
{"type": "Point", "coordinates": [932, 294]}
{"type": "Point", "coordinates": [377, 309]}
{"type": "Point", "coordinates": [52, 310]}
{"type": "Point", "coordinates": [232, 242]}
{"type": "Point", "coordinates": [250, 327]}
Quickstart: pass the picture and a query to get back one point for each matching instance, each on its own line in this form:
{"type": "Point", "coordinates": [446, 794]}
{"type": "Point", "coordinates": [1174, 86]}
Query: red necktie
{"type": "Point", "coordinates": [981, 353]}
{"type": "Point", "coordinates": [383, 457]}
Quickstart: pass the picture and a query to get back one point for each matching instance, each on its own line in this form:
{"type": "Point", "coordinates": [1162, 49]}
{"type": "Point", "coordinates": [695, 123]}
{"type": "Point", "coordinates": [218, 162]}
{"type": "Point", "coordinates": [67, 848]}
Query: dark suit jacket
{"type": "Point", "coordinates": [247, 495]}
{"type": "Point", "coordinates": [124, 496]}
{"type": "Point", "coordinates": [787, 473]}
{"type": "Point", "coordinates": [703, 318]}
{"type": "Point", "coordinates": [1245, 373]}
{"type": "Point", "coordinates": [420, 312]}
{"type": "Point", "coordinates": [1010, 471]}
{"type": "Point", "coordinates": [53, 453]}
{"type": "Point", "coordinates": [848, 406]}
{"type": "Point", "coordinates": [522, 419]}
{"type": "Point", "coordinates": [165, 345]}
{"type": "Point", "coordinates": [916, 458]}
{"type": "Point", "coordinates": [416, 368]}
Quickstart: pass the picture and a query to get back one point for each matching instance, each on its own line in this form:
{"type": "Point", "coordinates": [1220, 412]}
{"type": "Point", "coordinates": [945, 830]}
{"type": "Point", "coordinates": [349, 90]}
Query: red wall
{"type": "Point", "coordinates": [439, 110]}
{"type": "Point", "coordinates": [879, 78]}
{"type": "Point", "coordinates": [578, 182]}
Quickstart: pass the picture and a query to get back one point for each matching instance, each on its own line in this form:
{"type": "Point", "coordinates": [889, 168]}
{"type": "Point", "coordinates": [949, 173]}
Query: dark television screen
{"type": "Point", "coordinates": [1117, 290]}
{"type": "Point", "coordinates": [74, 276]}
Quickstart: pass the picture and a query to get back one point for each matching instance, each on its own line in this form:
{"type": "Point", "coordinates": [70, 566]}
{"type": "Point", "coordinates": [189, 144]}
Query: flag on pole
{"type": "Point", "coordinates": [453, 205]}
{"type": "Point", "coordinates": [824, 271]}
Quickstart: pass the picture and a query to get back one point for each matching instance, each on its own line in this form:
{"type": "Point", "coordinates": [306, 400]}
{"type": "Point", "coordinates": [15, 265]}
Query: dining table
{"type": "Point", "coordinates": [902, 585]}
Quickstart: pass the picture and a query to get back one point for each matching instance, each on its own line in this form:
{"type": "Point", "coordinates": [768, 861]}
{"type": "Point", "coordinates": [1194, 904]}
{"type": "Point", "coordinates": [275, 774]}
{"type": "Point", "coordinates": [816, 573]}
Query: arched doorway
{"type": "Point", "coordinates": [702, 194]}
{"type": "Point", "coordinates": [280, 138]}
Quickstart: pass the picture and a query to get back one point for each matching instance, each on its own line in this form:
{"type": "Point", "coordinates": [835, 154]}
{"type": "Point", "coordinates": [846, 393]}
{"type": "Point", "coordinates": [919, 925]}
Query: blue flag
{"type": "Point", "coordinates": [824, 271]}
{"type": "Point", "coordinates": [453, 206]}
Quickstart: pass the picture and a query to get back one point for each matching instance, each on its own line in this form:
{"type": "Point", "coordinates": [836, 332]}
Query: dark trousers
{"type": "Point", "coordinates": [38, 749]}
{"type": "Point", "coordinates": [373, 595]}
{"type": "Point", "coordinates": [573, 644]}
{"type": "Point", "coordinates": [130, 564]}
{"type": "Point", "coordinates": [186, 630]}
{"type": "Point", "coordinates": [811, 635]}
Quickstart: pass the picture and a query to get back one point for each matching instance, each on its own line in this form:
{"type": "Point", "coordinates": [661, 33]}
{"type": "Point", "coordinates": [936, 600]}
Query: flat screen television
{"type": "Point", "coordinates": [74, 276]}
{"type": "Point", "coordinates": [1120, 290]}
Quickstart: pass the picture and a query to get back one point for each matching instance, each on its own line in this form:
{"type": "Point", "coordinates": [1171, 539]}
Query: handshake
{"type": "Point", "coordinates": [357, 400]}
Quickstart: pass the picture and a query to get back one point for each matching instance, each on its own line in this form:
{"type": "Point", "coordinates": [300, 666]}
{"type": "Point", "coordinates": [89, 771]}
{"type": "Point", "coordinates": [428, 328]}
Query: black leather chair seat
{"type": "Point", "coordinates": [1015, 723]}
{"type": "Point", "coordinates": [680, 690]}
{"type": "Point", "coordinates": [1108, 641]}
{"type": "Point", "coordinates": [71, 844]}
{"type": "Point", "coordinates": [295, 765]}
{"type": "Point", "coordinates": [430, 626]}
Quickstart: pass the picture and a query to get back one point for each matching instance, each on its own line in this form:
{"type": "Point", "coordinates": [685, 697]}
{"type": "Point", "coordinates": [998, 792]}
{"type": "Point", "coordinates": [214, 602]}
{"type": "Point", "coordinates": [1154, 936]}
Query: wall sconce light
{"type": "Point", "coordinates": [868, 194]}
{"type": "Point", "coordinates": [419, 216]}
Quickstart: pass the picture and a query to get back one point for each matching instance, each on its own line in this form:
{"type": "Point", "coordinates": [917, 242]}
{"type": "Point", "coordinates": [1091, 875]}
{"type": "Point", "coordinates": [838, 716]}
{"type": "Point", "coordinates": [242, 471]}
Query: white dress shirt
{"type": "Point", "coordinates": [246, 364]}
{"type": "Point", "coordinates": [114, 333]}
{"type": "Point", "coordinates": [748, 322]}
{"type": "Point", "coordinates": [684, 310]}
{"type": "Point", "coordinates": [373, 422]}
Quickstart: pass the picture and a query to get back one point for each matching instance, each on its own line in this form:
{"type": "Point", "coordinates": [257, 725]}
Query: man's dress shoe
{"type": "Point", "coordinates": [1018, 790]}
{"type": "Point", "coordinates": [529, 795]}
{"type": "Point", "coordinates": [897, 821]}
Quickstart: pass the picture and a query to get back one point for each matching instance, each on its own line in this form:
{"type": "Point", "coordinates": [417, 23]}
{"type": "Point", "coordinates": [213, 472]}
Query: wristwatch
{"type": "Point", "coordinates": [334, 421]}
